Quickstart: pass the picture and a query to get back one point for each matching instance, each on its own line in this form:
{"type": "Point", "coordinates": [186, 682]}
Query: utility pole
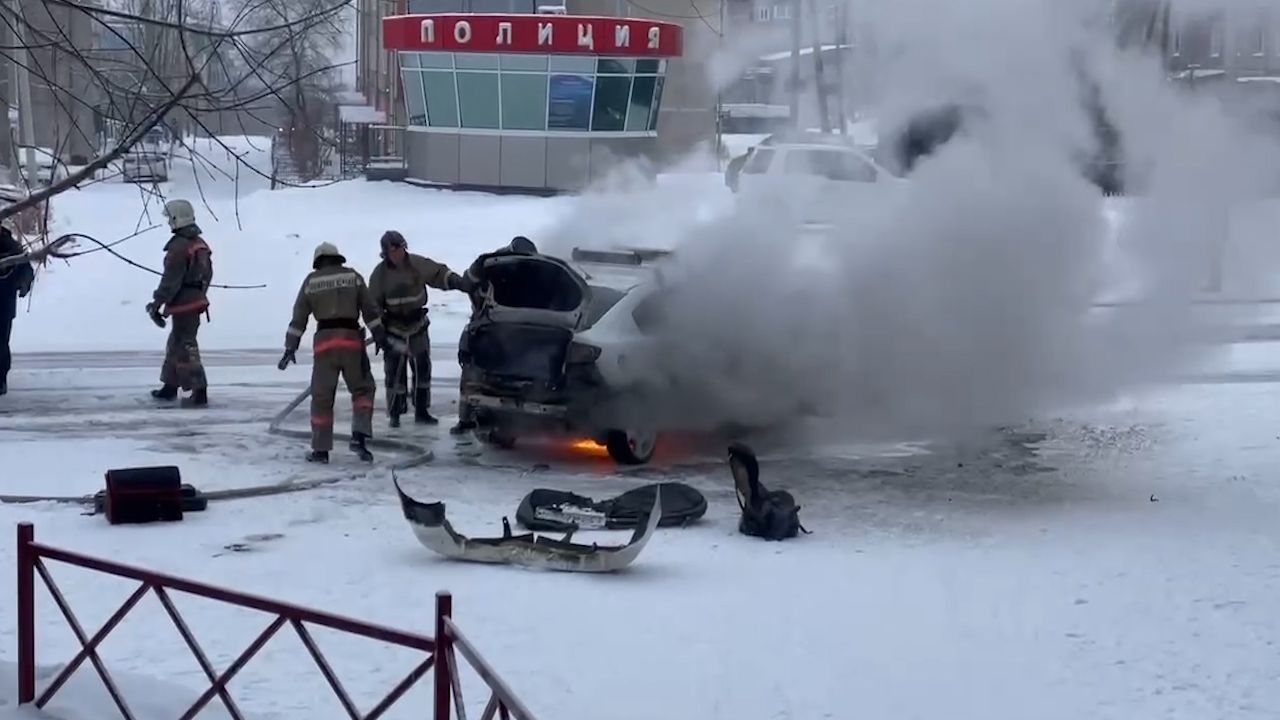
{"type": "Point", "coordinates": [720, 95]}
{"type": "Point", "coordinates": [819, 79]}
{"type": "Point", "coordinates": [22, 80]}
{"type": "Point", "coordinates": [795, 63]}
{"type": "Point", "coordinates": [842, 46]}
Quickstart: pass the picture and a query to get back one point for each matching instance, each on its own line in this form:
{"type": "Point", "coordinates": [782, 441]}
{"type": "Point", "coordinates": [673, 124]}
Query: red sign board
{"type": "Point", "coordinates": [543, 34]}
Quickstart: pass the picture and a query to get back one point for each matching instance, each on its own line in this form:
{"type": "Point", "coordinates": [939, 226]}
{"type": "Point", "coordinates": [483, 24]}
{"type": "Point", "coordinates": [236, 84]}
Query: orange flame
{"type": "Point", "coordinates": [587, 446]}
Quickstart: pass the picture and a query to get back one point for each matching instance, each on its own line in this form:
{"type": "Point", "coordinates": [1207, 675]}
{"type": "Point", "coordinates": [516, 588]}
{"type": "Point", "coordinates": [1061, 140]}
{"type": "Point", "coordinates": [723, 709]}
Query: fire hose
{"type": "Point", "coordinates": [416, 456]}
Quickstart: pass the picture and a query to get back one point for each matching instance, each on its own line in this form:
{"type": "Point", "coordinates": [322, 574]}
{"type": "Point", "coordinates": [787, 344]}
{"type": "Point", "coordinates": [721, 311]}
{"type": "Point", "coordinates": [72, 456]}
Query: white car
{"type": "Point", "coordinates": [557, 349]}
{"type": "Point", "coordinates": [49, 167]}
{"type": "Point", "coordinates": [828, 174]}
{"type": "Point", "coordinates": [145, 165]}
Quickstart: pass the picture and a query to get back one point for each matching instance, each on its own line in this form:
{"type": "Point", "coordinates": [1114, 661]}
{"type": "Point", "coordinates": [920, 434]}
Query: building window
{"type": "Point", "coordinates": [442, 60]}
{"type": "Point", "coordinates": [478, 100]}
{"type": "Point", "coordinates": [613, 96]}
{"type": "Point", "coordinates": [532, 92]}
{"type": "Point", "coordinates": [758, 163]}
{"type": "Point", "coordinates": [641, 102]}
{"type": "Point", "coordinates": [1175, 43]}
{"type": "Point", "coordinates": [442, 98]}
{"type": "Point", "coordinates": [762, 14]}
{"type": "Point", "coordinates": [569, 102]}
{"type": "Point", "coordinates": [475, 61]}
{"type": "Point", "coordinates": [416, 7]}
{"type": "Point", "coordinates": [1258, 42]}
{"type": "Point", "coordinates": [529, 63]}
{"type": "Point", "coordinates": [573, 63]}
{"type": "Point", "coordinates": [782, 12]}
{"type": "Point", "coordinates": [524, 101]}
{"type": "Point", "coordinates": [657, 102]}
{"type": "Point", "coordinates": [615, 66]}
{"type": "Point", "coordinates": [414, 99]}
{"type": "Point", "coordinates": [1215, 40]}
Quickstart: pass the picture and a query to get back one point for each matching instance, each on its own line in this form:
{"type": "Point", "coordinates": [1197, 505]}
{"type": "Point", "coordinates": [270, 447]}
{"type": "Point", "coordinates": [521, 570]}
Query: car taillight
{"type": "Point", "coordinates": [579, 353]}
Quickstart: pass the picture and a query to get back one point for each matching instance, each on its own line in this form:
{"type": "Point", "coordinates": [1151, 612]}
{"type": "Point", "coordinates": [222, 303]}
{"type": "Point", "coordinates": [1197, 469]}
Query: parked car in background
{"type": "Point", "coordinates": [49, 167]}
{"type": "Point", "coordinates": [829, 174]}
{"type": "Point", "coordinates": [143, 165]}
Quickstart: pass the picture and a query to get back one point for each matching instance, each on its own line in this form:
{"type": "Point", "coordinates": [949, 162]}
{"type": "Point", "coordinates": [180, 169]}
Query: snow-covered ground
{"type": "Point", "coordinates": [1114, 563]}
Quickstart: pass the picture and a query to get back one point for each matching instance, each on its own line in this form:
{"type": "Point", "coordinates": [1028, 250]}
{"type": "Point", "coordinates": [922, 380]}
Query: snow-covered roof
{"type": "Point", "coordinates": [1198, 73]}
{"type": "Point", "coordinates": [808, 50]}
{"type": "Point", "coordinates": [351, 97]}
{"type": "Point", "coordinates": [361, 114]}
{"type": "Point", "coordinates": [1259, 78]}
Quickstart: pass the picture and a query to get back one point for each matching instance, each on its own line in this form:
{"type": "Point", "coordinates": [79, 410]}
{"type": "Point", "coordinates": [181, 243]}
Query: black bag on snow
{"type": "Point", "coordinates": [770, 514]}
{"type": "Point", "coordinates": [559, 511]}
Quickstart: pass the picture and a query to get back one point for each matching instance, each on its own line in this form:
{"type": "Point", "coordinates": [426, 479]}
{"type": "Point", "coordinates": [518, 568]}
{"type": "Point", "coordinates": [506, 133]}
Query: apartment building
{"type": "Point", "coordinates": [1235, 52]}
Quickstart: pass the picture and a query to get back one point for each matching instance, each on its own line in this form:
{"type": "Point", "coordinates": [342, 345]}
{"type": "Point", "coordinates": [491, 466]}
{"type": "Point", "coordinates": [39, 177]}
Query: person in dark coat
{"type": "Point", "coordinates": [15, 282]}
{"type": "Point", "coordinates": [477, 279]}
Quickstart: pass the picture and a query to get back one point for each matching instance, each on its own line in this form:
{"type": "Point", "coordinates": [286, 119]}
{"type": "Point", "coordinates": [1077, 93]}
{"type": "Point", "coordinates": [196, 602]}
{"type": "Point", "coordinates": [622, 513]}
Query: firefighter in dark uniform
{"type": "Point", "coordinates": [478, 279]}
{"type": "Point", "coordinates": [338, 297]}
{"type": "Point", "coordinates": [399, 288]}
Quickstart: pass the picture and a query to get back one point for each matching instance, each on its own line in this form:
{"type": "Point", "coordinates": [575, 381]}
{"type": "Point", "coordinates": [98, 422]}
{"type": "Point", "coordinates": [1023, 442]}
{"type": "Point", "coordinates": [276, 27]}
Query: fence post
{"type": "Point", "coordinates": [26, 614]}
{"type": "Point", "coordinates": [444, 654]}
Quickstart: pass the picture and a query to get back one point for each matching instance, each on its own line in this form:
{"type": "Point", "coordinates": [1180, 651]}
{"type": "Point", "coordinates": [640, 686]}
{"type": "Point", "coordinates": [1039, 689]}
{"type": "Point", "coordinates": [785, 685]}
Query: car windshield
{"type": "Point", "coordinates": [829, 164]}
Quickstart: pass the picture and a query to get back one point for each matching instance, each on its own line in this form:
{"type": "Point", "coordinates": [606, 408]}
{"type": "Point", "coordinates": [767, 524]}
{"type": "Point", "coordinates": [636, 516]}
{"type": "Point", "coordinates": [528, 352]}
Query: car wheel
{"type": "Point", "coordinates": [500, 438]}
{"type": "Point", "coordinates": [631, 447]}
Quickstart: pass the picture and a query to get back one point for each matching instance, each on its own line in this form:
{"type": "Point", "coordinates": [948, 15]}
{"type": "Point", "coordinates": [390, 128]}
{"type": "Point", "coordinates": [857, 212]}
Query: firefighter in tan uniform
{"type": "Point", "coordinates": [399, 287]}
{"type": "Point", "coordinates": [337, 296]}
{"type": "Point", "coordinates": [183, 296]}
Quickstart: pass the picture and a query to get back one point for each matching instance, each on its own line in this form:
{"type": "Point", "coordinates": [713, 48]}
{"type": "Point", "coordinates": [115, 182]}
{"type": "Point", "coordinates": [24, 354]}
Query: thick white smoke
{"type": "Point", "coordinates": [966, 298]}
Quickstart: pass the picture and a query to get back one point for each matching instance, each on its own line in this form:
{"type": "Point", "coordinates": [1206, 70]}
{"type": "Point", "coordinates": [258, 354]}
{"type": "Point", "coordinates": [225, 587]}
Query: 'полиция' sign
{"type": "Point", "coordinates": [545, 34]}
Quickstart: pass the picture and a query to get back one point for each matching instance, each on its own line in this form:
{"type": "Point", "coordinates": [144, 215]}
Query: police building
{"type": "Point", "coordinates": [540, 100]}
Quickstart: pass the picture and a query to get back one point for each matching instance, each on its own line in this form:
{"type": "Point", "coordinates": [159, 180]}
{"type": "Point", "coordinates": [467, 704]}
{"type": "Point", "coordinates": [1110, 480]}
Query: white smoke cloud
{"type": "Point", "coordinates": [966, 299]}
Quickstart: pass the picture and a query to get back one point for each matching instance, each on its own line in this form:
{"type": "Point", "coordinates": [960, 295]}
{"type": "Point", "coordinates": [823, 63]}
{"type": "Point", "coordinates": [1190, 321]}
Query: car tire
{"type": "Point", "coordinates": [500, 438]}
{"type": "Point", "coordinates": [631, 448]}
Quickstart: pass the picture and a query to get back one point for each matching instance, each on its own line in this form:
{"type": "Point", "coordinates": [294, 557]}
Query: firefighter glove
{"type": "Point", "coordinates": [287, 358]}
{"type": "Point", "coordinates": [24, 288]}
{"type": "Point", "coordinates": [461, 282]}
{"type": "Point", "coordinates": [153, 310]}
{"type": "Point", "coordinates": [379, 338]}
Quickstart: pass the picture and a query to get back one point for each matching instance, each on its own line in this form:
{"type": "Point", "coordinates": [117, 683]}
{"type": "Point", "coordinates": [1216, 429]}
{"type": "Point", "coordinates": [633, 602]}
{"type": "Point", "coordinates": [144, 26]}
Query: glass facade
{"type": "Point", "coordinates": [566, 93]}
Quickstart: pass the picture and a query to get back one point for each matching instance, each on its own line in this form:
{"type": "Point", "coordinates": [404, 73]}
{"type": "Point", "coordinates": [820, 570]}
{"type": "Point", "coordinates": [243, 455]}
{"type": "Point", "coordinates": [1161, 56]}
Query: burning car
{"type": "Point", "coordinates": [549, 350]}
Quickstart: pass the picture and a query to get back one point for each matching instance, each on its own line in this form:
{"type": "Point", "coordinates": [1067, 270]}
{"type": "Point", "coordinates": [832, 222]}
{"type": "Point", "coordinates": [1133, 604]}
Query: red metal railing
{"type": "Point", "coordinates": [441, 656]}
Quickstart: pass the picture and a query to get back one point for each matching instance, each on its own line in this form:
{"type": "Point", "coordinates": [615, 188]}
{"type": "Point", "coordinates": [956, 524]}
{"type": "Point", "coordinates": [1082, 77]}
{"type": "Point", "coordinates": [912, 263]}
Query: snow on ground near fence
{"type": "Point", "coordinates": [1123, 567]}
{"type": "Point", "coordinates": [85, 698]}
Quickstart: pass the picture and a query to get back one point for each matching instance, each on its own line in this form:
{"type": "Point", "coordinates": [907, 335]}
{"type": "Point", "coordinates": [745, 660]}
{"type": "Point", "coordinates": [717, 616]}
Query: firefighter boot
{"type": "Point", "coordinates": [199, 398]}
{"type": "Point", "coordinates": [398, 405]}
{"type": "Point", "coordinates": [166, 392]}
{"type": "Point", "coordinates": [357, 446]}
{"type": "Point", "coordinates": [318, 456]}
{"type": "Point", "coordinates": [421, 409]}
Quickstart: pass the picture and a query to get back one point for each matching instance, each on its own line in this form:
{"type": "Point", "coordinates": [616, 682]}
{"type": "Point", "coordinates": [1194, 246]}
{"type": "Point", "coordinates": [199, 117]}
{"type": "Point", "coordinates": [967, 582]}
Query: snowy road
{"type": "Point", "coordinates": [1118, 563]}
{"type": "Point", "coordinates": [1115, 564]}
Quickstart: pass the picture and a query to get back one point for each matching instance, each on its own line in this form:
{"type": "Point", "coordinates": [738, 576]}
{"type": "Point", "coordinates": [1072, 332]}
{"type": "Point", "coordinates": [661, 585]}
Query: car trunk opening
{"type": "Point", "coordinates": [534, 306]}
{"type": "Point", "coordinates": [535, 283]}
{"type": "Point", "coordinates": [519, 352]}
